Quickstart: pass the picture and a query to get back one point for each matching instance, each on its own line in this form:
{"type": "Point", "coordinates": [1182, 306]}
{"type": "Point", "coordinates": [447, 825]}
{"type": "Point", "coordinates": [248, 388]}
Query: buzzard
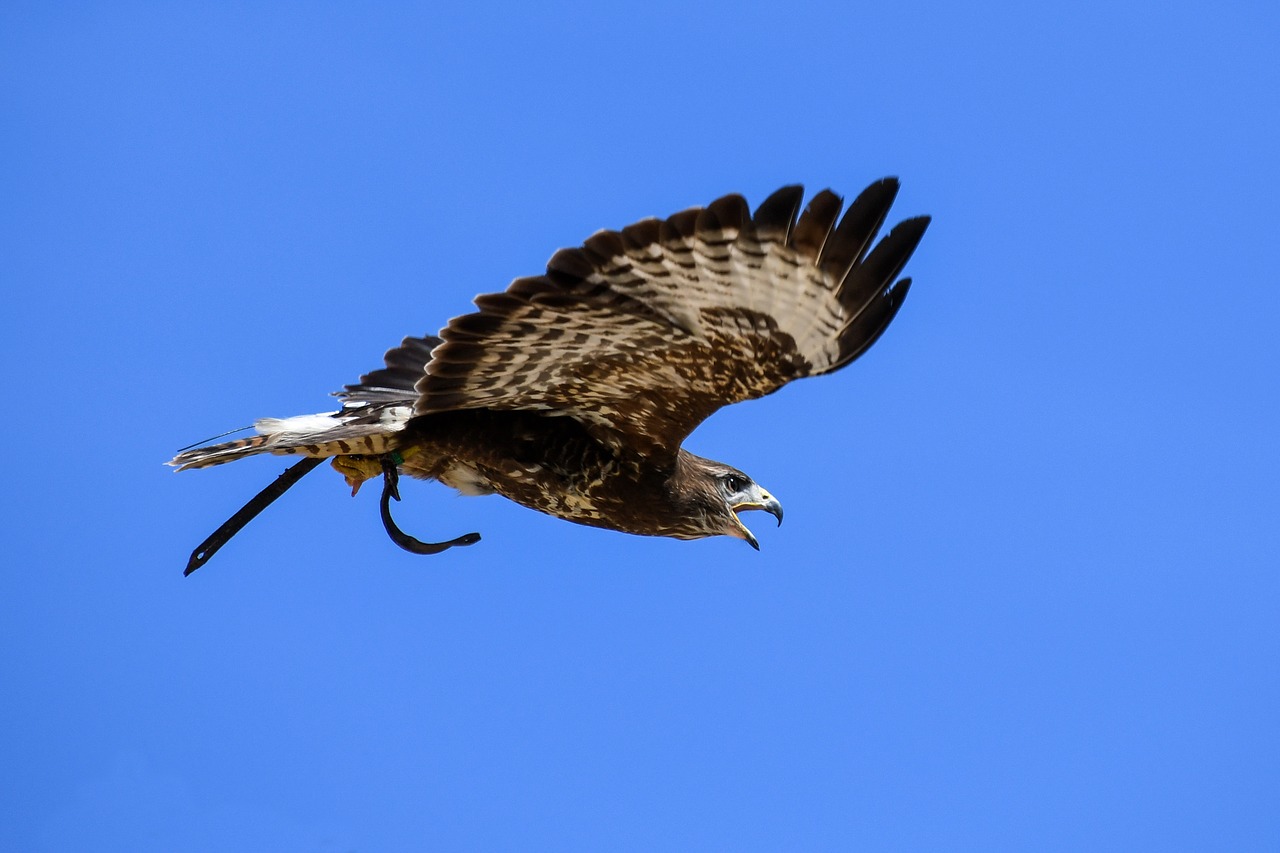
{"type": "Point", "coordinates": [571, 392]}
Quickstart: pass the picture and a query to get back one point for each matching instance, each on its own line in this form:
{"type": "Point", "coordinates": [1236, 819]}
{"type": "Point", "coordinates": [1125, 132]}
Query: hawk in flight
{"type": "Point", "coordinates": [571, 392]}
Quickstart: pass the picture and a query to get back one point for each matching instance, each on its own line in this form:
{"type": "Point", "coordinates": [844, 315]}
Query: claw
{"type": "Point", "coordinates": [391, 489]}
{"type": "Point", "coordinates": [356, 469]}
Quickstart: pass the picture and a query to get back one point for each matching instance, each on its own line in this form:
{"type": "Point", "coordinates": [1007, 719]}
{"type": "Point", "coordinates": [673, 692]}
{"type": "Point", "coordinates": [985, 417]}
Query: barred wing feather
{"type": "Point", "coordinates": [641, 334]}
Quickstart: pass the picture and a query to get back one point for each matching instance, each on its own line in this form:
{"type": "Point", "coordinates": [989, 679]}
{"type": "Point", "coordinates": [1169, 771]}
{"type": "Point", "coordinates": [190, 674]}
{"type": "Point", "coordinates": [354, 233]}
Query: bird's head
{"type": "Point", "coordinates": [710, 495]}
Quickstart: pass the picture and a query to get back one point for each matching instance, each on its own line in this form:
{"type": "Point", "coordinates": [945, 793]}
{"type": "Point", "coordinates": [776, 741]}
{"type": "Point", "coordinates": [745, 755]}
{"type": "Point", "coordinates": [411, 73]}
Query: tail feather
{"type": "Point", "coordinates": [357, 430]}
{"type": "Point", "coordinates": [217, 454]}
{"type": "Point", "coordinates": [374, 410]}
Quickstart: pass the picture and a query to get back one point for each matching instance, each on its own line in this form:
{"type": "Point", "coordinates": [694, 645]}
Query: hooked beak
{"type": "Point", "coordinates": [759, 500]}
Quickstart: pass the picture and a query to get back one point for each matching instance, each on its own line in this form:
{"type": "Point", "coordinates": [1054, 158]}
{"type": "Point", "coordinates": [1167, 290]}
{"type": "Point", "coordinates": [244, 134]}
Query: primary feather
{"type": "Point", "coordinates": [571, 391]}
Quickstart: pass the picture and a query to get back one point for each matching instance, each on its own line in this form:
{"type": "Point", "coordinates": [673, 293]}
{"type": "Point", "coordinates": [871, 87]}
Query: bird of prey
{"type": "Point", "coordinates": [571, 392]}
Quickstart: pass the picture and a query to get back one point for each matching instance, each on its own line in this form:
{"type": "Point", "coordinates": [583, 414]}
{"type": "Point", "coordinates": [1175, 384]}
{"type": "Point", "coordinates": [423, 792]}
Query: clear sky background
{"type": "Point", "coordinates": [1026, 595]}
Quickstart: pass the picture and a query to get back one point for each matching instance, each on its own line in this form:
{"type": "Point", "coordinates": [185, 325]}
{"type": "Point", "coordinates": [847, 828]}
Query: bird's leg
{"type": "Point", "coordinates": [356, 469]}
{"type": "Point", "coordinates": [391, 489]}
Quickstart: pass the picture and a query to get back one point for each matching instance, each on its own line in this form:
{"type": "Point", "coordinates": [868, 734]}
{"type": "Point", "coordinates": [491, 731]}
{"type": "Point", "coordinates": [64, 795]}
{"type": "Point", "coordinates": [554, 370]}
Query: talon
{"type": "Point", "coordinates": [390, 477]}
{"type": "Point", "coordinates": [356, 470]}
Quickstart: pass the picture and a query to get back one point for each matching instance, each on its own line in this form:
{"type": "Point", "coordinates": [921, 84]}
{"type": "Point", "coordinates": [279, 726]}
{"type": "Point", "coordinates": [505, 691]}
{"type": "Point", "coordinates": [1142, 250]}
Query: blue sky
{"type": "Point", "coordinates": [1026, 594]}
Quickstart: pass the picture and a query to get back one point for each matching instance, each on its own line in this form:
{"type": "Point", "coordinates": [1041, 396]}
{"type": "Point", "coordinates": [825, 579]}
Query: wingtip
{"type": "Point", "coordinates": [899, 291]}
{"type": "Point", "coordinates": [778, 212]}
{"type": "Point", "coordinates": [902, 239]}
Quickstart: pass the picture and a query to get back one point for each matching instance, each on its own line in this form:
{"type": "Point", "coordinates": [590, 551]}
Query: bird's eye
{"type": "Point", "coordinates": [735, 483]}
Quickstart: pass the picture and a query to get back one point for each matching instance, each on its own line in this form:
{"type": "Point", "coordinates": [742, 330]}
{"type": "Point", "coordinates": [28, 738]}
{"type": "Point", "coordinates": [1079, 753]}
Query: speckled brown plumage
{"type": "Point", "coordinates": [571, 392]}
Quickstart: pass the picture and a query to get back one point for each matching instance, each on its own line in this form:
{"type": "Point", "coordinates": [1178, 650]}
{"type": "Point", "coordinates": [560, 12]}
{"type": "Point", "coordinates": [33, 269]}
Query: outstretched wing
{"type": "Point", "coordinates": [395, 382]}
{"type": "Point", "coordinates": [641, 334]}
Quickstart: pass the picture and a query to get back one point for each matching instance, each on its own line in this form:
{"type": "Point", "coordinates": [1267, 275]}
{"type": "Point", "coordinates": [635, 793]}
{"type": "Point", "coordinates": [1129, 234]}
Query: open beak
{"type": "Point", "coordinates": [759, 500]}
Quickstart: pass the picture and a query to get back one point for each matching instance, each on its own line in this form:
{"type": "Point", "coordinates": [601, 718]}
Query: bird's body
{"type": "Point", "coordinates": [553, 465]}
{"type": "Point", "coordinates": [571, 392]}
